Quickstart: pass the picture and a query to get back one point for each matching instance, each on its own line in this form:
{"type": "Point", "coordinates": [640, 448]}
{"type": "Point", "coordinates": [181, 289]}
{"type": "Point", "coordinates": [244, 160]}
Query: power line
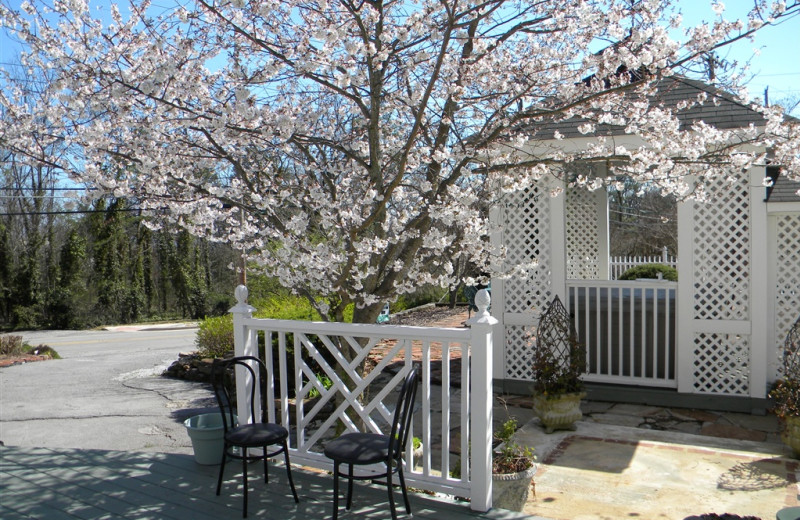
{"type": "Point", "coordinates": [25, 188]}
{"type": "Point", "coordinates": [77, 211]}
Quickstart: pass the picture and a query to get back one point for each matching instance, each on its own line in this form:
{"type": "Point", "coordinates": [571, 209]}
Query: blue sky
{"type": "Point", "coordinates": [777, 66]}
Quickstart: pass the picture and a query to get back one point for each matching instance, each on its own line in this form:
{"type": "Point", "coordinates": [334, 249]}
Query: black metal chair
{"type": "Point", "coordinates": [362, 449]}
{"type": "Point", "coordinates": [257, 434]}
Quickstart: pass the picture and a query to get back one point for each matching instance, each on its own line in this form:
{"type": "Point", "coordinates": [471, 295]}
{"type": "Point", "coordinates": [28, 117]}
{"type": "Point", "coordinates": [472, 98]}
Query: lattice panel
{"type": "Point", "coordinates": [721, 253]}
{"type": "Point", "coordinates": [527, 238]}
{"type": "Point", "coordinates": [787, 271]}
{"type": "Point", "coordinates": [721, 364]}
{"type": "Point", "coordinates": [583, 232]}
{"type": "Point", "coordinates": [519, 353]}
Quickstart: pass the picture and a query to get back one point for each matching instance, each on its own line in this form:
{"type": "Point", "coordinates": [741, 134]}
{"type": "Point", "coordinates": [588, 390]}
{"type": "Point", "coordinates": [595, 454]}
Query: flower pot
{"type": "Point", "coordinates": [206, 432]}
{"type": "Point", "coordinates": [558, 412]}
{"type": "Point", "coordinates": [416, 455]}
{"type": "Point", "coordinates": [511, 490]}
{"type": "Point", "coordinates": [791, 434]}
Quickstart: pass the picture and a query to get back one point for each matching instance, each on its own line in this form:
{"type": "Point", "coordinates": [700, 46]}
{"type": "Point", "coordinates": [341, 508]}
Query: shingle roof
{"type": "Point", "coordinates": [782, 189]}
{"type": "Point", "coordinates": [720, 109]}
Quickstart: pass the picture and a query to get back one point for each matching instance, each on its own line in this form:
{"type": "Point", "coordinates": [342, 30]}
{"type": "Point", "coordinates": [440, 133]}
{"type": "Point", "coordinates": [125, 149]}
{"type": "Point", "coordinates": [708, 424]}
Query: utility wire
{"type": "Point", "coordinates": [77, 211]}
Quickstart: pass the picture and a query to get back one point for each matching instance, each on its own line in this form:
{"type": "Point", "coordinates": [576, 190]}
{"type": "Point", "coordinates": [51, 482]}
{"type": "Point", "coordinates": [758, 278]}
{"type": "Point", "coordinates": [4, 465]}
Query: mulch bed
{"type": "Point", "coordinates": [7, 361]}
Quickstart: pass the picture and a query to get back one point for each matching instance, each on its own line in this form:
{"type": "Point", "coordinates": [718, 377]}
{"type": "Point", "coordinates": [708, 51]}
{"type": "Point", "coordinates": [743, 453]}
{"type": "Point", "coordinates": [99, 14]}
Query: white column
{"type": "Point", "coordinates": [603, 234]}
{"type": "Point", "coordinates": [684, 325]}
{"type": "Point", "coordinates": [558, 241]}
{"type": "Point", "coordinates": [243, 345]}
{"type": "Point", "coordinates": [759, 285]}
{"type": "Point", "coordinates": [497, 223]}
{"type": "Point", "coordinates": [482, 325]}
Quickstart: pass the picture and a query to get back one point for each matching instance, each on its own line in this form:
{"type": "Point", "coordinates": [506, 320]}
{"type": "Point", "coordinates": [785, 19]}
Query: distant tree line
{"type": "Point", "coordinates": [101, 266]}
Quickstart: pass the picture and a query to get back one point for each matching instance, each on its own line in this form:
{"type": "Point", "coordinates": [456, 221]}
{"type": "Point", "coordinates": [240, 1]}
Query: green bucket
{"type": "Point", "coordinates": [206, 432]}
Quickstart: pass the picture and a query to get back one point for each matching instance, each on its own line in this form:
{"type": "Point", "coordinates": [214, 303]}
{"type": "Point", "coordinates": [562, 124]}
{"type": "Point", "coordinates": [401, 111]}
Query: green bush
{"type": "Point", "coordinates": [285, 307]}
{"type": "Point", "coordinates": [650, 271]}
{"type": "Point", "coordinates": [326, 384]}
{"type": "Point", "coordinates": [215, 336]}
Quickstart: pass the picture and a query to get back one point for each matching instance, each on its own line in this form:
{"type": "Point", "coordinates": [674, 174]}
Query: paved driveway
{"type": "Point", "coordinates": [106, 392]}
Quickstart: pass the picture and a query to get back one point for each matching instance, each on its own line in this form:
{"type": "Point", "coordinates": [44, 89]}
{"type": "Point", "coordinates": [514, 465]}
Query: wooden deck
{"type": "Point", "coordinates": [62, 483]}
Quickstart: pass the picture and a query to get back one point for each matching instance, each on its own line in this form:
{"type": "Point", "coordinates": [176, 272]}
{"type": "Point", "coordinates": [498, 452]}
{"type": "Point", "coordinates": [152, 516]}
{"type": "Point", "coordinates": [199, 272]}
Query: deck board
{"type": "Point", "coordinates": [75, 484]}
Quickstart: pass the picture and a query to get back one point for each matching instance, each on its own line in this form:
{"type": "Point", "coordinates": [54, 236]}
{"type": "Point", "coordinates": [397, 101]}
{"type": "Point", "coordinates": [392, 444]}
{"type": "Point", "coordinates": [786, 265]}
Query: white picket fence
{"type": "Point", "coordinates": [619, 264]}
{"type": "Point", "coordinates": [456, 421]}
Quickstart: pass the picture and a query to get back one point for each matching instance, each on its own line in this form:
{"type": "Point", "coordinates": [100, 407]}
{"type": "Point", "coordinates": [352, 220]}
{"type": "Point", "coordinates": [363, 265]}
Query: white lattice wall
{"type": "Point", "coordinates": [722, 253]}
{"type": "Point", "coordinates": [527, 238]}
{"type": "Point", "coordinates": [721, 260]}
{"type": "Point", "coordinates": [787, 271]}
{"type": "Point", "coordinates": [583, 232]}
{"type": "Point", "coordinates": [721, 363]}
{"type": "Point", "coordinates": [519, 352]}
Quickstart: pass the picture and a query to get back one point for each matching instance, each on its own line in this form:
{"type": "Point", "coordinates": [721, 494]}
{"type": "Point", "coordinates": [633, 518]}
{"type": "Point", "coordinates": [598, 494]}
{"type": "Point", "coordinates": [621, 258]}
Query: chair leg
{"type": "Point", "coordinates": [389, 489]}
{"type": "Point", "coordinates": [349, 487]}
{"type": "Point", "coordinates": [403, 487]}
{"type": "Point", "coordinates": [335, 490]}
{"type": "Point", "coordinates": [222, 468]}
{"type": "Point", "coordinates": [244, 480]}
{"type": "Point", "coordinates": [266, 468]}
{"type": "Point", "coordinates": [289, 471]}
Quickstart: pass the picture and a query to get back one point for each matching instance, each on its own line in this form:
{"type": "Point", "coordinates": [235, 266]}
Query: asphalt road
{"type": "Point", "coordinates": [106, 392]}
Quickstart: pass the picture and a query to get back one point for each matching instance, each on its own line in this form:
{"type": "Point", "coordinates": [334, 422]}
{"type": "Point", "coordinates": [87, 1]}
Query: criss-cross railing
{"type": "Point", "coordinates": [326, 378]}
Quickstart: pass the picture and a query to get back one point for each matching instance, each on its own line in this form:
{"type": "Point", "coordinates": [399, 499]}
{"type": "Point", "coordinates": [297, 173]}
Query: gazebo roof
{"type": "Point", "coordinates": [782, 189]}
{"type": "Point", "coordinates": [721, 110]}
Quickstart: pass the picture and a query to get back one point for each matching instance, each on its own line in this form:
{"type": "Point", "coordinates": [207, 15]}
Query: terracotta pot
{"type": "Point", "coordinates": [511, 490]}
{"type": "Point", "coordinates": [791, 434]}
{"type": "Point", "coordinates": [558, 412]}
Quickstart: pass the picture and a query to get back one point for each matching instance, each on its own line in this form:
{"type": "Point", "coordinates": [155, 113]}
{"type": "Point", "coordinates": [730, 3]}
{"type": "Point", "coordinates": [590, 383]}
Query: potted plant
{"type": "Point", "coordinates": [785, 392]}
{"type": "Point", "coordinates": [786, 395]}
{"type": "Point", "coordinates": [513, 468]}
{"type": "Point", "coordinates": [559, 361]}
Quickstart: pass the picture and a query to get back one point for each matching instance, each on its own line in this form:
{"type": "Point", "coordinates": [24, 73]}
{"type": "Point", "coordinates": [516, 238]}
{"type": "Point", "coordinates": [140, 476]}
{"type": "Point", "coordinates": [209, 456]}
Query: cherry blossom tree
{"type": "Point", "coordinates": [346, 145]}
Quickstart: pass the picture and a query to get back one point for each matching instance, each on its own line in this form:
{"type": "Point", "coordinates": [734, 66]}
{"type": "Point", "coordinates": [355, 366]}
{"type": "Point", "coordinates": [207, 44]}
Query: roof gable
{"type": "Point", "coordinates": [782, 189]}
{"type": "Point", "coordinates": [720, 109]}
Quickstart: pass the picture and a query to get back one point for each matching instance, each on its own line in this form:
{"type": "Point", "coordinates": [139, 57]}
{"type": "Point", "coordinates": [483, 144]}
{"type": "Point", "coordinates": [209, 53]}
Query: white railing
{"type": "Point", "coordinates": [457, 421]}
{"type": "Point", "coordinates": [628, 328]}
{"type": "Point", "coordinates": [619, 264]}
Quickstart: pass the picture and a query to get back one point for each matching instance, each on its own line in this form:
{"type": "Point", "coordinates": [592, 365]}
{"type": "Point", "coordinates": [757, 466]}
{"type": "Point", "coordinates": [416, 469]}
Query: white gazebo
{"type": "Point", "coordinates": [711, 339]}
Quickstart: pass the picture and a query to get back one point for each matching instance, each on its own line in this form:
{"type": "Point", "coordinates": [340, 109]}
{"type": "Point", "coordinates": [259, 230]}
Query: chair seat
{"type": "Point", "coordinates": [259, 434]}
{"type": "Point", "coordinates": [358, 448]}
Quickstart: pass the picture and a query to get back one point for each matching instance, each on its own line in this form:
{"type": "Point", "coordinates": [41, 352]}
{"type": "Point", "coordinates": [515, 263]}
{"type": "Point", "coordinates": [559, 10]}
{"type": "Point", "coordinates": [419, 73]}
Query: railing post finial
{"type": "Point", "coordinates": [241, 307]}
{"type": "Point", "coordinates": [241, 294]}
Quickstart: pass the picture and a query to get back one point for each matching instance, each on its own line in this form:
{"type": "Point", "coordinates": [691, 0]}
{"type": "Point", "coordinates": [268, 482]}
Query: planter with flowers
{"type": "Point", "coordinates": [785, 393]}
{"type": "Point", "coordinates": [559, 361]}
{"type": "Point", "coordinates": [513, 468]}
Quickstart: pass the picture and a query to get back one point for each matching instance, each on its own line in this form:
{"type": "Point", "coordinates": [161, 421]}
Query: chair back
{"type": "Point", "coordinates": [223, 380]}
{"type": "Point", "coordinates": [401, 425]}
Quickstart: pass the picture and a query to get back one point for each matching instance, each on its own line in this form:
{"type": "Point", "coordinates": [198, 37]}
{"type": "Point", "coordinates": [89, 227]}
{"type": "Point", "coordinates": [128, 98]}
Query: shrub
{"type": "Point", "coordinates": [14, 346]}
{"type": "Point", "coordinates": [650, 271]}
{"type": "Point", "coordinates": [326, 383]}
{"type": "Point", "coordinates": [511, 457]}
{"type": "Point", "coordinates": [786, 395]}
{"type": "Point", "coordinates": [286, 307]}
{"type": "Point", "coordinates": [215, 336]}
{"type": "Point", "coordinates": [11, 345]}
